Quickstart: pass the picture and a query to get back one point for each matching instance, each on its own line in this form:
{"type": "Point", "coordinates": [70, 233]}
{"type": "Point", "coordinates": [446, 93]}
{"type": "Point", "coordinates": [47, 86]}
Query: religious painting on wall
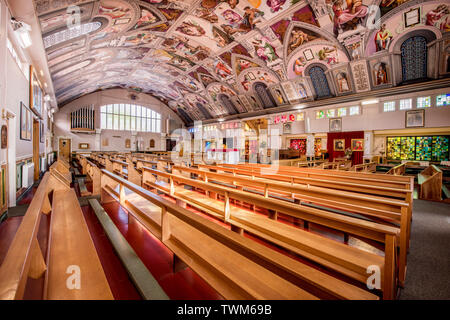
{"type": "Point", "coordinates": [25, 123]}
{"type": "Point", "coordinates": [415, 118]}
{"type": "Point", "coordinates": [317, 147]}
{"type": "Point", "coordinates": [83, 146]}
{"type": "Point", "coordinates": [339, 144]}
{"type": "Point", "coordinates": [298, 144]}
{"type": "Point", "coordinates": [335, 124]}
{"type": "Point", "coordinates": [41, 131]}
{"type": "Point", "coordinates": [4, 139]}
{"type": "Point", "coordinates": [127, 143]}
{"type": "Point", "coordinates": [36, 95]}
{"type": "Point", "coordinates": [357, 144]}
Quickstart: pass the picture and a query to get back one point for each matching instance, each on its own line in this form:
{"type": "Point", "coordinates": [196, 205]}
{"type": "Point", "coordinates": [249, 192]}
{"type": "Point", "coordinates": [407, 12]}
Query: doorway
{"type": "Point", "coordinates": [36, 149]}
{"type": "Point", "coordinates": [64, 149]}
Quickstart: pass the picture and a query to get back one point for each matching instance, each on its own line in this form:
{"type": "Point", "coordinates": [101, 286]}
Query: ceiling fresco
{"type": "Point", "coordinates": [209, 59]}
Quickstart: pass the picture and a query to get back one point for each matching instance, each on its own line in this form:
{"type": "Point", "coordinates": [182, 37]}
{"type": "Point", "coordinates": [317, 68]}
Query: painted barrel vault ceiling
{"type": "Point", "coordinates": [210, 58]}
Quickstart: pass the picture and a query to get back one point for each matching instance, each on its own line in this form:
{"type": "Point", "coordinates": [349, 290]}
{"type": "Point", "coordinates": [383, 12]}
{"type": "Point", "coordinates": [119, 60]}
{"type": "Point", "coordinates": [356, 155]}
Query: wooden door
{"type": "Point", "coordinates": [36, 149]}
{"type": "Point", "coordinates": [64, 149]}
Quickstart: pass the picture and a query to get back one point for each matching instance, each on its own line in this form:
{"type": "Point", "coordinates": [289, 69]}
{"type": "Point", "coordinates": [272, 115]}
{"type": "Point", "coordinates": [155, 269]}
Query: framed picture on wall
{"type": "Point", "coordinates": [335, 124]}
{"type": "Point", "coordinates": [83, 146]}
{"type": "Point", "coordinates": [41, 131]}
{"type": "Point", "coordinates": [36, 95]}
{"type": "Point", "coordinates": [357, 144]}
{"type": "Point", "coordinates": [415, 118]}
{"type": "Point", "coordinates": [412, 17]}
{"type": "Point", "coordinates": [287, 128]}
{"type": "Point", "coordinates": [339, 144]}
{"type": "Point", "coordinates": [25, 123]}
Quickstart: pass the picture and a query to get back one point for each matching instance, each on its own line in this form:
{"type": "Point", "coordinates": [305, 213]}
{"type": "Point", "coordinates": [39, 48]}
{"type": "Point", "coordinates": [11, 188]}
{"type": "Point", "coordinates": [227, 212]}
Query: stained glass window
{"type": "Point", "coordinates": [320, 114]}
{"type": "Point", "coordinates": [342, 112]}
{"type": "Point", "coordinates": [423, 102]}
{"type": "Point", "coordinates": [426, 148]}
{"type": "Point", "coordinates": [440, 148]}
{"type": "Point", "coordinates": [423, 148]}
{"type": "Point", "coordinates": [331, 113]}
{"type": "Point", "coordinates": [414, 58]}
{"type": "Point", "coordinates": [443, 100]}
{"type": "Point", "coordinates": [393, 148]}
{"type": "Point", "coordinates": [300, 116]}
{"type": "Point", "coordinates": [408, 148]}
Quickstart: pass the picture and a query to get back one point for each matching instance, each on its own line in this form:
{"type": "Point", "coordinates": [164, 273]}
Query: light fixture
{"type": "Point", "coordinates": [42, 73]}
{"type": "Point", "coordinates": [47, 98]}
{"type": "Point", "coordinates": [22, 32]}
{"type": "Point", "coordinates": [53, 110]}
{"type": "Point", "coordinates": [300, 106]}
{"type": "Point", "coordinates": [372, 101]}
{"type": "Point", "coordinates": [221, 120]}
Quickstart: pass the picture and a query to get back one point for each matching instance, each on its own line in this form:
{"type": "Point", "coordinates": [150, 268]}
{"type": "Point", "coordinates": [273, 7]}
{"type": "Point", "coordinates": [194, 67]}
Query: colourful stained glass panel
{"type": "Point", "coordinates": [423, 148]}
{"type": "Point", "coordinates": [440, 148]}
{"type": "Point", "coordinates": [320, 114]}
{"type": "Point", "coordinates": [408, 148]}
{"type": "Point", "coordinates": [393, 148]}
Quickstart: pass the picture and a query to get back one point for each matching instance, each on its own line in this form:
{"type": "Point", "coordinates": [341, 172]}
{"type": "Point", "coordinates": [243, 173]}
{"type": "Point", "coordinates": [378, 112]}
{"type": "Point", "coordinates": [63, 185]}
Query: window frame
{"type": "Point", "coordinates": [110, 114]}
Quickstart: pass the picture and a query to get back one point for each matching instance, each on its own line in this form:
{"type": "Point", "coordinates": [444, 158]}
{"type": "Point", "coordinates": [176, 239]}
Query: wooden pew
{"type": "Point", "coordinates": [60, 169]}
{"type": "Point", "coordinates": [368, 183]}
{"type": "Point", "coordinates": [365, 167]}
{"type": "Point", "coordinates": [430, 182]}
{"type": "Point", "coordinates": [339, 182]}
{"type": "Point", "coordinates": [71, 248]}
{"type": "Point", "coordinates": [329, 165]}
{"type": "Point", "coordinates": [24, 258]}
{"type": "Point", "coordinates": [93, 172]}
{"type": "Point", "coordinates": [344, 165]}
{"type": "Point", "coordinates": [398, 170]}
{"type": "Point", "coordinates": [239, 218]}
{"type": "Point", "coordinates": [267, 274]}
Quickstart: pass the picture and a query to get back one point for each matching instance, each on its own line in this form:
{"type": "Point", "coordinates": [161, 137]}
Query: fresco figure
{"type": "Point", "coordinates": [381, 74]}
{"type": "Point", "coordinates": [191, 29]}
{"type": "Point", "coordinates": [439, 17]}
{"type": "Point", "coordinates": [299, 66]}
{"type": "Point", "coordinates": [298, 37]}
{"type": "Point", "coordinates": [275, 5]}
{"type": "Point", "coordinates": [383, 38]}
{"type": "Point", "coordinates": [265, 50]}
{"type": "Point", "coordinates": [342, 82]}
{"type": "Point", "coordinates": [348, 14]}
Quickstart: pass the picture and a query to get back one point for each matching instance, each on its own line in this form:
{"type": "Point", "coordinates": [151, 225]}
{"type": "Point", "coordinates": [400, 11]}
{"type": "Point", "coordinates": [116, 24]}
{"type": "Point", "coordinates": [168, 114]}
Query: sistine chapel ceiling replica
{"type": "Point", "coordinates": [209, 59]}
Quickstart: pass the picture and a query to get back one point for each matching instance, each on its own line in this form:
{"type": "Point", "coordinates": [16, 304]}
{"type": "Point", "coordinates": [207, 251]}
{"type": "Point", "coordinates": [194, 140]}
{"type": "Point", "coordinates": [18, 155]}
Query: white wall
{"type": "Point", "coordinates": [116, 139]}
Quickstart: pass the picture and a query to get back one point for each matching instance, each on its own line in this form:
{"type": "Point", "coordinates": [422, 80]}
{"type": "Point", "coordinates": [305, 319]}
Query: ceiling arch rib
{"type": "Point", "coordinates": [202, 58]}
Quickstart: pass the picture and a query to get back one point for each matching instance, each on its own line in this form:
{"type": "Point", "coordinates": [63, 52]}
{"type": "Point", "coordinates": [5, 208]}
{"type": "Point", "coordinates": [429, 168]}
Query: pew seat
{"type": "Point", "coordinates": [70, 244]}
{"type": "Point", "coordinates": [349, 261]}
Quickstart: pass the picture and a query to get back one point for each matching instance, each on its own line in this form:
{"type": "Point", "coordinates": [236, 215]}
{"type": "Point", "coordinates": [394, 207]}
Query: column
{"type": "Point", "coordinates": [368, 145]}
{"type": "Point", "coordinates": [310, 146]}
{"type": "Point", "coordinates": [98, 140]}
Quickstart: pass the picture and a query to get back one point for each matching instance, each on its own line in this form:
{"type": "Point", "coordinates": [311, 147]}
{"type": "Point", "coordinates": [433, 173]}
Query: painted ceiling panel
{"type": "Point", "coordinates": [212, 58]}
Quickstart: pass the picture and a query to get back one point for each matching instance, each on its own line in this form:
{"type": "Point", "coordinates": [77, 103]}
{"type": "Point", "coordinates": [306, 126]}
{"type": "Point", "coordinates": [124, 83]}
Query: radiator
{"type": "Point", "coordinates": [43, 164]}
{"type": "Point", "coordinates": [27, 175]}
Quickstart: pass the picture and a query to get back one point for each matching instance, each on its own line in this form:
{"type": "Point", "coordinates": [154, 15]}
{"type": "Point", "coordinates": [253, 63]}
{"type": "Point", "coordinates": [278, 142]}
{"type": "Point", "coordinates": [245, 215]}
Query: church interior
{"type": "Point", "coordinates": [225, 150]}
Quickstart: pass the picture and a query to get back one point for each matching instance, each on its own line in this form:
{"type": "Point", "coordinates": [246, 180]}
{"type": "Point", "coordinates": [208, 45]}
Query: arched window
{"type": "Point", "coordinates": [414, 58]}
{"type": "Point", "coordinates": [184, 116]}
{"type": "Point", "coordinates": [71, 33]}
{"type": "Point", "coordinates": [129, 117]}
{"type": "Point", "coordinates": [203, 111]}
{"type": "Point", "coordinates": [320, 82]}
{"type": "Point", "coordinates": [264, 95]}
{"type": "Point", "coordinates": [227, 104]}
